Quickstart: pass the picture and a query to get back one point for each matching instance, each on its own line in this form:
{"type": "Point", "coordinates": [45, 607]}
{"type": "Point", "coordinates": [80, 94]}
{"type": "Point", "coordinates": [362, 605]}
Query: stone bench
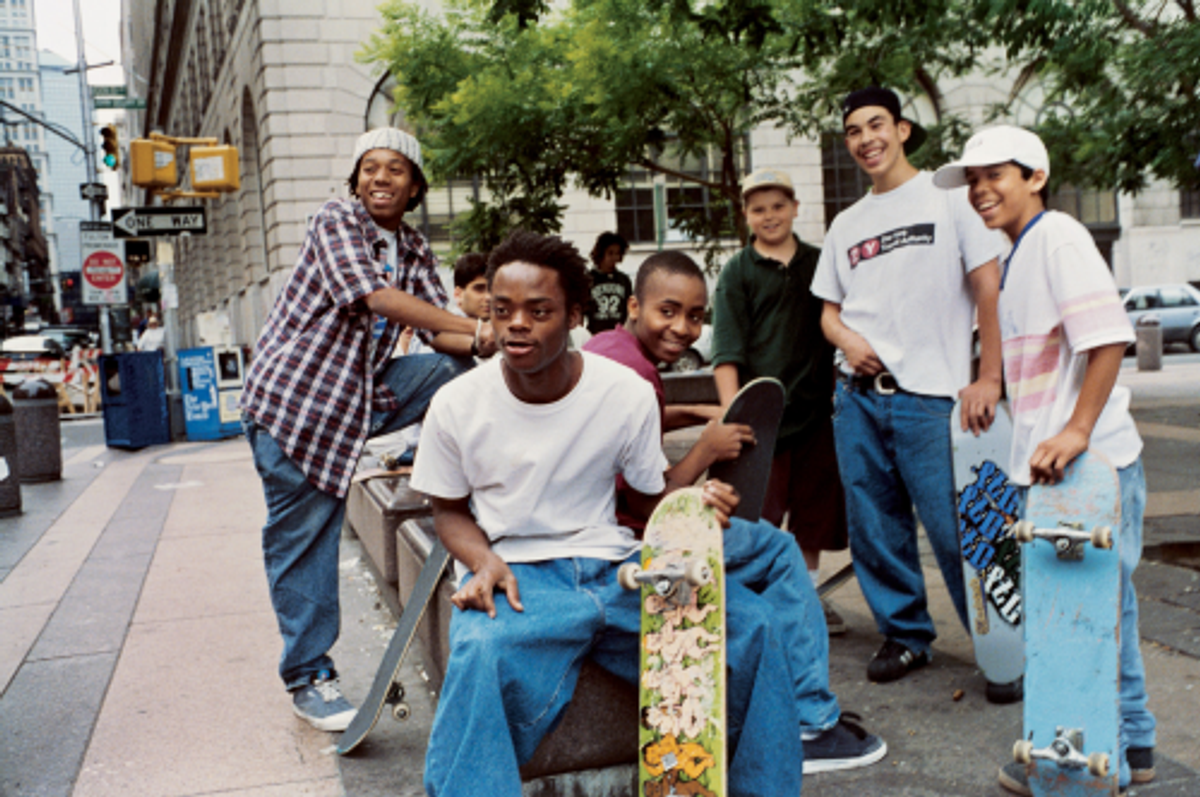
{"type": "Point", "coordinates": [593, 751]}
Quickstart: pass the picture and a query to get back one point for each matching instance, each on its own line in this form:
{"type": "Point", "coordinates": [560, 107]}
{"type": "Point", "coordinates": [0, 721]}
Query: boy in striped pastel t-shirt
{"type": "Point", "coordinates": [1064, 333]}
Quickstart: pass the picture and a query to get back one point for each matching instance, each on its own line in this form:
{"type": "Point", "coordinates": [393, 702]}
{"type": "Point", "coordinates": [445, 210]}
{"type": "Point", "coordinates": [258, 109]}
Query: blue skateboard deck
{"type": "Point", "coordinates": [759, 405]}
{"type": "Point", "coordinates": [1072, 616]}
{"type": "Point", "coordinates": [987, 510]}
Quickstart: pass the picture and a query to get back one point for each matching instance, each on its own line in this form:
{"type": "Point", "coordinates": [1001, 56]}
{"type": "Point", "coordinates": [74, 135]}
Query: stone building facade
{"type": "Point", "coordinates": [279, 80]}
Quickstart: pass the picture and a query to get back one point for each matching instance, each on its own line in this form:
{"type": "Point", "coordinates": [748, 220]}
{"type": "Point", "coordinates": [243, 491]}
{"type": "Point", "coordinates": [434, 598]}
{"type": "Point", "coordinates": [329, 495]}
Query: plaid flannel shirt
{"type": "Point", "coordinates": [310, 384]}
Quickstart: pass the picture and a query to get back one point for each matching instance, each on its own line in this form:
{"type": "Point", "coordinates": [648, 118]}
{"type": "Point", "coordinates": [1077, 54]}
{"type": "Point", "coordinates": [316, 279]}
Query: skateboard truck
{"type": "Point", "coordinates": [1065, 751]}
{"type": "Point", "coordinates": [669, 581]}
{"type": "Point", "coordinates": [1068, 538]}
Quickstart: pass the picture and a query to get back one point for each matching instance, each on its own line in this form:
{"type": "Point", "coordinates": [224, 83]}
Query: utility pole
{"type": "Point", "coordinates": [89, 156]}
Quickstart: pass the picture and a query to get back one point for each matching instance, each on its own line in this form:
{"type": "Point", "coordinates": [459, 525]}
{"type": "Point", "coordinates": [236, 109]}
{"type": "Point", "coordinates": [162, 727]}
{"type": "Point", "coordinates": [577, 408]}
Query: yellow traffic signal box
{"type": "Point", "coordinates": [152, 163]}
{"type": "Point", "coordinates": [215, 168]}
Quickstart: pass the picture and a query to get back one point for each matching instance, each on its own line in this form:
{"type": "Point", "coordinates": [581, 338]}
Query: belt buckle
{"type": "Point", "coordinates": [885, 384]}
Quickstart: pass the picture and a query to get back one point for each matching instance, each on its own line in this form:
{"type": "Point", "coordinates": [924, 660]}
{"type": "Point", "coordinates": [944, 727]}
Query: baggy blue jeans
{"type": "Point", "coordinates": [518, 672]}
{"type": "Point", "coordinates": [303, 528]}
{"type": "Point", "coordinates": [1137, 723]}
{"type": "Point", "coordinates": [894, 453]}
{"type": "Point", "coordinates": [768, 562]}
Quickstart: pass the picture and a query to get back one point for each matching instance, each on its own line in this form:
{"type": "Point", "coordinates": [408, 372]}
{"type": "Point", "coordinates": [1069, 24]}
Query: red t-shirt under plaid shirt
{"type": "Point", "coordinates": [310, 384]}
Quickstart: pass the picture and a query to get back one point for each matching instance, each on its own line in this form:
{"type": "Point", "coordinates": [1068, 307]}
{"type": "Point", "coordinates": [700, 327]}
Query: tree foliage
{"type": "Point", "coordinates": [532, 96]}
{"type": "Point", "coordinates": [1124, 75]}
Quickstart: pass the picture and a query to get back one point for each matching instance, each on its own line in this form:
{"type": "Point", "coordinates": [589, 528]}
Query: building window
{"type": "Point", "coordinates": [844, 182]}
{"type": "Point", "coordinates": [635, 199]}
{"type": "Point", "coordinates": [442, 204]}
{"type": "Point", "coordinates": [1091, 207]}
{"type": "Point", "coordinates": [1189, 204]}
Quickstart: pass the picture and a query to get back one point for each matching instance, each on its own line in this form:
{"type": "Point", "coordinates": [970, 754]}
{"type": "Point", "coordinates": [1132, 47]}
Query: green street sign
{"type": "Point", "coordinates": [135, 103]}
{"type": "Point", "coordinates": [109, 91]}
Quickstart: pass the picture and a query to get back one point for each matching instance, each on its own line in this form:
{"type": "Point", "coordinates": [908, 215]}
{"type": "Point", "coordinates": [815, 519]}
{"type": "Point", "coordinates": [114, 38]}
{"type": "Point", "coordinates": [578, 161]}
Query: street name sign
{"type": "Point", "coordinates": [133, 103]}
{"type": "Point", "coordinates": [109, 91]}
{"type": "Point", "coordinates": [103, 264]}
{"type": "Point", "coordinates": [144, 222]}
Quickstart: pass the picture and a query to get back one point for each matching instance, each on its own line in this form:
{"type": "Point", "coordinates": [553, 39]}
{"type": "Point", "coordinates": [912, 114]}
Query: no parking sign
{"type": "Point", "coordinates": [103, 264]}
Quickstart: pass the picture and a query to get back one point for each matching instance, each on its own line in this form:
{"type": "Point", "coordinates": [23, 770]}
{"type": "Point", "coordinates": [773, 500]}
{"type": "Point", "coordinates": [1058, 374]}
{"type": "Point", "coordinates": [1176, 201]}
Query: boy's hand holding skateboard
{"type": "Point", "coordinates": [722, 498]}
{"type": "Point", "coordinates": [978, 401]}
{"type": "Point", "coordinates": [1051, 457]}
{"type": "Point", "coordinates": [724, 441]}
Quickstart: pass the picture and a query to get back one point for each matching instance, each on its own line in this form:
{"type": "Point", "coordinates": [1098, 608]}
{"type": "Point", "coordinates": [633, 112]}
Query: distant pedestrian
{"type": "Point", "coordinates": [611, 288]}
{"type": "Point", "coordinates": [322, 381]}
{"type": "Point", "coordinates": [152, 338]}
{"type": "Point", "coordinates": [766, 322]}
{"type": "Point", "coordinates": [903, 273]}
{"type": "Point", "coordinates": [1064, 334]}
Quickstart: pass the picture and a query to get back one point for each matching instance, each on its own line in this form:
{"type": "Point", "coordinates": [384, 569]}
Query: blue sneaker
{"type": "Point", "coordinates": [322, 705]}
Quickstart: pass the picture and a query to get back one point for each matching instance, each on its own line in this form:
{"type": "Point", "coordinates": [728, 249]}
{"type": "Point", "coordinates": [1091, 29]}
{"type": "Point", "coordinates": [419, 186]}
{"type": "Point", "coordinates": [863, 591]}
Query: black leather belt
{"type": "Point", "coordinates": [882, 383]}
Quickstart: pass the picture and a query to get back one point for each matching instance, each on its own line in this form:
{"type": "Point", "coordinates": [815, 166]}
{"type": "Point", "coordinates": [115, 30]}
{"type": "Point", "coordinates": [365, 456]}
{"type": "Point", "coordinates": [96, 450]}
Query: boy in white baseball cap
{"type": "Point", "coordinates": [1064, 332]}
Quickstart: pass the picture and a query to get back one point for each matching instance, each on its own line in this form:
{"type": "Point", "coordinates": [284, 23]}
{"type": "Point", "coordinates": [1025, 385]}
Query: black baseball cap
{"type": "Point", "coordinates": [884, 98]}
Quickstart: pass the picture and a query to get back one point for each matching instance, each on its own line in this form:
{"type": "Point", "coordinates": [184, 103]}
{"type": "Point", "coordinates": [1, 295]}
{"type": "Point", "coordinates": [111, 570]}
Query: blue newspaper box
{"type": "Point", "coordinates": [134, 400]}
{"type": "Point", "coordinates": [210, 379]}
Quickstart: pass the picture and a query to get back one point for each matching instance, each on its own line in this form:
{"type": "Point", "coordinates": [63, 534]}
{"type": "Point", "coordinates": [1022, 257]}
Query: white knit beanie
{"type": "Point", "coordinates": [388, 138]}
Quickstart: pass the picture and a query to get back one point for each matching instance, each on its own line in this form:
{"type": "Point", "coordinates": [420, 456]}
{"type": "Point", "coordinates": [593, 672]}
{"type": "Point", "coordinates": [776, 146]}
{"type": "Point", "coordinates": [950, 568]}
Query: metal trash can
{"type": "Point", "coordinates": [10, 483]}
{"type": "Point", "coordinates": [1149, 343]}
{"type": "Point", "coordinates": [39, 438]}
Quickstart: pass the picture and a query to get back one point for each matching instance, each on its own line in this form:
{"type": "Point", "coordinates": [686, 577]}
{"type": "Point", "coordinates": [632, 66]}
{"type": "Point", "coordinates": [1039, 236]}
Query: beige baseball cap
{"type": "Point", "coordinates": [768, 178]}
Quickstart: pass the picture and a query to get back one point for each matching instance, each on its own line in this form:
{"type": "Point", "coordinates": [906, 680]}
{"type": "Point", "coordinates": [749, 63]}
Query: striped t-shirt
{"type": "Point", "coordinates": [1059, 301]}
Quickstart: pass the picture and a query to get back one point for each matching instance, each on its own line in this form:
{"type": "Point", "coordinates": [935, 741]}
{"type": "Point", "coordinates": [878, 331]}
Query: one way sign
{"type": "Point", "coordinates": [144, 222]}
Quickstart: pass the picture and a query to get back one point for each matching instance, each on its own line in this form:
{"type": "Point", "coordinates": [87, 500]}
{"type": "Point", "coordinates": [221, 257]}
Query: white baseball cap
{"type": "Point", "coordinates": [388, 138]}
{"type": "Point", "coordinates": [999, 144]}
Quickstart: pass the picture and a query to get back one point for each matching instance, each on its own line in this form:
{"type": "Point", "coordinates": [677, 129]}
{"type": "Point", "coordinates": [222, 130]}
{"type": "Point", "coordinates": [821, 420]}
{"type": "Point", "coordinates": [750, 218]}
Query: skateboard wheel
{"type": "Point", "coordinates": [627, 575]}
{"type": "Point", "coordinates": [698, 573]}
{"type": "Point", "coordinates": [1023, 751]}
{"type": "Point", "coordinates": [401, 712]}
{"type": "Point", "coordinates": [1098, 764]}
{"type": "Point", "coordinates": [395, 693]}
{"type": "Point", "coordinates": [1102, 537]}
{"type": "Point", "coordinates": [1023, 531]}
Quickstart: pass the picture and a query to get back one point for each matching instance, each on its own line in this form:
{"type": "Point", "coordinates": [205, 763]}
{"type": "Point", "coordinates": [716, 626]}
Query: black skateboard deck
{"type": "Point", "coordinates": [386, 690]}
{"type": "Point", "coordinates": [759, 405]}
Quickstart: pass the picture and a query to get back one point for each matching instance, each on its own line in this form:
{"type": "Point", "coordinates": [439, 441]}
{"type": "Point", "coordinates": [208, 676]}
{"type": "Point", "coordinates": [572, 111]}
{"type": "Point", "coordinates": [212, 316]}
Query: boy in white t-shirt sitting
{"type": "Point", "coordinates": [521, 478]}
{"type": "Point", "coordinates": [1064, 332]}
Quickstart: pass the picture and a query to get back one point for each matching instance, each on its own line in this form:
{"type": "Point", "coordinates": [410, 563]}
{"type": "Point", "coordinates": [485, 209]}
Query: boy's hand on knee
{"type": "Point", "coordinates": [722, 498]}
{"type": "Point", "coordinates": [1051, 457]}
{"type": "Point", "coordinates": [479, 592]}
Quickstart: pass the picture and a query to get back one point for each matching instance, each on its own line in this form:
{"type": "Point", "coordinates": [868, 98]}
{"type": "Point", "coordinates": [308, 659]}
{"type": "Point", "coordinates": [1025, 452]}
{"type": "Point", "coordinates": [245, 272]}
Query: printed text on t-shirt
{"type": "Point", "coordinates": [914, 235]}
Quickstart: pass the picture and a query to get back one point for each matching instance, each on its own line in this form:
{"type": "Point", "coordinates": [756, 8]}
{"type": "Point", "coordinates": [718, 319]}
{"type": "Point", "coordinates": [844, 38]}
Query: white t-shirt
{"type": "Point", "coordinates": [897, 263]}
{"type": "Point", "coordinates": [1058, 302]}
{"type": "Point", "coordinates": [541, 476]}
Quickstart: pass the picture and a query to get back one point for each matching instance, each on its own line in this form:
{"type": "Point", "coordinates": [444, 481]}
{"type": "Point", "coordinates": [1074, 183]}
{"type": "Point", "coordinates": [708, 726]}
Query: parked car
{"type": "Point", "coordinates": [698, 355]}
{"type": "Point", "coordinates": [1176, 306]}
{"type": "Point", "coordinates": [70, 336]}
{"type": "Point", "coordinates": [25, 355]}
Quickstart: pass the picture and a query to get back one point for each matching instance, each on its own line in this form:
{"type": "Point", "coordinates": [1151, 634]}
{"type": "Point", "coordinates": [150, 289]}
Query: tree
{"type": "Point", "coordinates": [530, 99]}
{"type": "Point", "coordinates": [1124, 74]}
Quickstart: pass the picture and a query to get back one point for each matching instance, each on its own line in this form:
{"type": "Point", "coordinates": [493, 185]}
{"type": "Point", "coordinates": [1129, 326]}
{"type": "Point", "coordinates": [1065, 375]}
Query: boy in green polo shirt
{"type": "Point", "coordinates": [767, 323]}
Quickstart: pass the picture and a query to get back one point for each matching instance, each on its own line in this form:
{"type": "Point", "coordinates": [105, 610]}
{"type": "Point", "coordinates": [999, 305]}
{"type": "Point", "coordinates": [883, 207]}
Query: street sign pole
{"type": "Point", "coordinates": [89, 155]}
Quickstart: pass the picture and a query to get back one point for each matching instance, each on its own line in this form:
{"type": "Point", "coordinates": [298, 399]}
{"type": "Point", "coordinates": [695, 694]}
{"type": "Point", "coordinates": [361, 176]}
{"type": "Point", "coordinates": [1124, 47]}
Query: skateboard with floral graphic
{"type": "Point", "coordinates": [682, 686]}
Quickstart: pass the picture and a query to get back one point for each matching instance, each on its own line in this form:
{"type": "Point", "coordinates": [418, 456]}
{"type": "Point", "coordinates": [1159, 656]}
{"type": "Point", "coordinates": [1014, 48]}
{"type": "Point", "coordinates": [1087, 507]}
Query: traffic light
{"type": "Point", "coordinates": [152, 163]}
{"type": "Point", "coordinates": [215, 168]}
{"type": "Point", "coordinates": [111, 146]}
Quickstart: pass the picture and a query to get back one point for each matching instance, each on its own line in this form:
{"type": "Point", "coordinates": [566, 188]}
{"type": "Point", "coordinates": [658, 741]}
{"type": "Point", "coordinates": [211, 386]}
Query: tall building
{"type": "Point", "coordinates": [66, 171]}
{"type": "Point", "coordinates": [20, 87]}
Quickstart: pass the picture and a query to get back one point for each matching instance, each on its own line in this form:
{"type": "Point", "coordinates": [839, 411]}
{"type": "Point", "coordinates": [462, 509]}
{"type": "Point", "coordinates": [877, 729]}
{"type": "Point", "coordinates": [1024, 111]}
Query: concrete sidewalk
{"type": "Point", "coordinates": [138, 649]}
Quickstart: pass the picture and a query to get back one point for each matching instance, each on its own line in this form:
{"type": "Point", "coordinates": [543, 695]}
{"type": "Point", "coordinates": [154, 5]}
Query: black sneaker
{"type": "Point", "coordinates": [893, 662]}
{"type": "Point", "coordinates": [844, 746]}
{"type": "Point", "coordinates": [1141, 764]}
{"type": "Point", "coordinates": [1014, 778]}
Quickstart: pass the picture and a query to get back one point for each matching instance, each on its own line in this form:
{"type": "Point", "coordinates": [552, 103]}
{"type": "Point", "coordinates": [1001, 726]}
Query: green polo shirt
{"type": "Point", "coordinates": [767, 323]}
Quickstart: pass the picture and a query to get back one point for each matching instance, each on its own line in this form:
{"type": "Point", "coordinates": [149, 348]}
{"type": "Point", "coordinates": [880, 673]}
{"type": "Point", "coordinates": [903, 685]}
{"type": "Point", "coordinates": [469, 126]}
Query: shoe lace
{"type": "Point", "coordinates": [327, 690]}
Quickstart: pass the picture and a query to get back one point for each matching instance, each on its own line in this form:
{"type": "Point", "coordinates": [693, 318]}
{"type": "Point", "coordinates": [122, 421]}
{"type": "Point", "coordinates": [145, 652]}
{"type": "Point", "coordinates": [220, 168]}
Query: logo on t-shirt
{"type": "Point", "coordinates": [915, 235]}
